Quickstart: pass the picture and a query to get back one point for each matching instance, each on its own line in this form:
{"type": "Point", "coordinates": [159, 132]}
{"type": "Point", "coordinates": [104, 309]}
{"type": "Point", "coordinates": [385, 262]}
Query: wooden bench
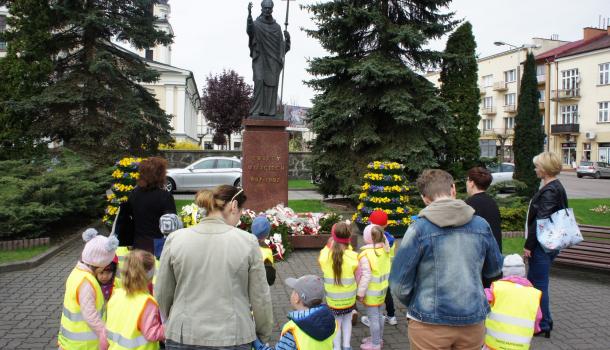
{"type": "Point", "coordinates": [593, 251]}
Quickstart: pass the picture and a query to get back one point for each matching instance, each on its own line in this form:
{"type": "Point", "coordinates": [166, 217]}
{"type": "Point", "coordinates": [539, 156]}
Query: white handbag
{"type": "Point", "coordinates": [559, 231]}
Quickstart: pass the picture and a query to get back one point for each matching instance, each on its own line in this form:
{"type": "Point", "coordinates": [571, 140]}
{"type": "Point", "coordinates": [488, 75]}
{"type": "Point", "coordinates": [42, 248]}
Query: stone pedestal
{"type": "Point", "coordinates": [265, 163]}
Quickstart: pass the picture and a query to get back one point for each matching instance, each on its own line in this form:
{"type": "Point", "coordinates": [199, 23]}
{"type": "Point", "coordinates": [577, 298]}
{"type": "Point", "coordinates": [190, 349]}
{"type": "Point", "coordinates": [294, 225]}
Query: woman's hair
{"type": "Point", "coordinates": [549, 162]}
{"type": "Point", "coordinates": [481, 177]}
{"type": "Point", "coordinates": [341, 231]}
{"type": "Point", "coordinates": [218, 198]}
{"type": "Point", "coordinates": [153, 172]}
{"type": "Point", "coordinates": [138, 263]}
{"type": "Point", "coordinates": [377, 234]}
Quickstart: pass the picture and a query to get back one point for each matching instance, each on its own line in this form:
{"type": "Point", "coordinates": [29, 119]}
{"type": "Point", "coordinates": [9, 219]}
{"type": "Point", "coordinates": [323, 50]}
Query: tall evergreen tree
{"type": "Point", "coordinates": [87, 91]}
{"type": "Point", "coordinates": [529, 134]}
{"type": "Point", "coordinates": [460, 90]}
{"type": "Point", "coordinates": [371, 102]}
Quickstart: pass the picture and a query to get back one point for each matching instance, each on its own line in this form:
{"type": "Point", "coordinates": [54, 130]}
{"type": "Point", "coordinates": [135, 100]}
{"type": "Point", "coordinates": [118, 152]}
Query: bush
{"type": "Point", "coordinates": [38, 192]}
{"type": "Point", "coordinates": [513, 219]}
{"type": "Point", "coordinates": [181, 146]}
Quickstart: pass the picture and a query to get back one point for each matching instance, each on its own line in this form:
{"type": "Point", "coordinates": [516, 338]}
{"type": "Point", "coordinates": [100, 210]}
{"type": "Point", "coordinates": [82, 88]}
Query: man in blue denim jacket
{"type": "Point", "coordinates": [437, 269]}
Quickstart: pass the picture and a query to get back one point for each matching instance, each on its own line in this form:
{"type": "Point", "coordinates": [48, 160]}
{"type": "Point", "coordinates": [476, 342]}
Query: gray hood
{"type": "Point", "coordinates": [448, 212]}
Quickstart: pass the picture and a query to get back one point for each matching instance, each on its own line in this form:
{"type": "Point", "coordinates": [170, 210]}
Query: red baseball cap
{"type": "Point", "coordinates": [378, 217]}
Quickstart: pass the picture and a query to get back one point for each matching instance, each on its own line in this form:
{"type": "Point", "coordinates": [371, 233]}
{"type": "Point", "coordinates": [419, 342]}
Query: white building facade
{"type": "Point", "coordinates": [3, 17]}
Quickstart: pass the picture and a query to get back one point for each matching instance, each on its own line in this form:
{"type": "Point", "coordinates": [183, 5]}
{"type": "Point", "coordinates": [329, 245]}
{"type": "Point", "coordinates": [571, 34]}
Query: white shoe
{"type": "Point", "coordinates": [365, 321]}
{"type": "Point", "coordinates": [391, 320]}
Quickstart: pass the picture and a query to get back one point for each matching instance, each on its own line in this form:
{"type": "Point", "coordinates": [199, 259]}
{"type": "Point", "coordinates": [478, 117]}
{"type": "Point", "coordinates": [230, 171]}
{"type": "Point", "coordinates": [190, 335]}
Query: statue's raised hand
{"type": "Point", "coordinates": [250, 9]}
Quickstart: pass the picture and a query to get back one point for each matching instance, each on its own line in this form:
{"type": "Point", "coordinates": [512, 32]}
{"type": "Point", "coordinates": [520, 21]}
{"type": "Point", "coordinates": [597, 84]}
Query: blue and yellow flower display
{"type": "Point", "coordinates": [124, 179]}
{"type": "Point", "coordinates": [384, 188]}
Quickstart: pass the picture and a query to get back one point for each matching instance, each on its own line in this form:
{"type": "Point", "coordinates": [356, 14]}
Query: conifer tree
{"type": "Point", "coordinates": [529, 134]}
{"type": "Point", "coordinates": [460, 91]}
{"type": "Point", "coordinates": [371, 103]}
{"type": "Point", "coordinates": [86, 88]}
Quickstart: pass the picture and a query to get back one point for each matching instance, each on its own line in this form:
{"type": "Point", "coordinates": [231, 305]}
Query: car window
{"type": "Point", "coordinates": [585, 163]}
{"type": "Point", "coordinates": [236, 165]}
{"type": "Point", "coordinates": [206, 164]}
{"type": "Point", "coordinates": [507, 168]}
{"type": "Point", "coordinates": [224, 163]}
{"type": "Point", "coordinates": [493, 168]}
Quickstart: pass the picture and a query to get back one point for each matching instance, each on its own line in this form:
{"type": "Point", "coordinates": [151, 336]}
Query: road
{"type": "Point", "coordinates": [584, 187]}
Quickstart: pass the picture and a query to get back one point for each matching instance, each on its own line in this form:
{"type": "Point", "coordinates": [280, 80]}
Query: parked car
{"type": "Point", "coordinates": [593, 169]}
{"type": "Point", "coordinates": [205, 173]}
{"type": "Point", "coordinates": [501, 172]}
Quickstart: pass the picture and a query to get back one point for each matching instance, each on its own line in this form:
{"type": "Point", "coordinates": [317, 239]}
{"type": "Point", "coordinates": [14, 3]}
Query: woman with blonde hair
{"type": "Point", "coordinates": [133, 319]}
{"type": "Point", "coordinates": [212, 286]}
{"type": "Point", "coordinates": [550, 198]}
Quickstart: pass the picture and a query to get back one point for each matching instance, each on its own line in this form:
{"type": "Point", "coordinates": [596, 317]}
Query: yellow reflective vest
{"type": "Point", "coordinates": [510, 324]}
{"type": "Point", "coordinates": [74, 332]}
{"type": "Point", "coordinates": [304, 341]}
{"type": "Point", "coordinates": [267, 255]}
{"type": "Point", "coordinates": [380, 263]}
{"type": "Point", "coordinates": [124, 312]}
{"type": "Point", "coordinates": [339, 296]}
{"type": "Point", "coordinates": [121, 253]}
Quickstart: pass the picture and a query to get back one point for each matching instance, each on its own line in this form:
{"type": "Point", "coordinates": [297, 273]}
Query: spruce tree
{"type": "Point", "coordinates": [371, 103]}
{"type": "Point", "coordinates": [529, 134]}
{"type": "Point", "coordinates": [87, 91]}
{"type": "Point", "coordinates": [460, 90]}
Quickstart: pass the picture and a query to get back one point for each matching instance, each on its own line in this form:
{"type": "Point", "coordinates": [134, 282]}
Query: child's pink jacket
{"type": "Point", "coordinates": [518, 280]}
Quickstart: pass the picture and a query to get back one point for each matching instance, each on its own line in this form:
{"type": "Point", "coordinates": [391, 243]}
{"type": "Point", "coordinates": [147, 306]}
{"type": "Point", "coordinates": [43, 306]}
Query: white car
{"type": "Point", "coordinates": [205, 173]}
{"type": "Point", "coordinates": [502, 172]}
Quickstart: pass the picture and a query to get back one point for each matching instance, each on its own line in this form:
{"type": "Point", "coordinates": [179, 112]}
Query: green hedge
{"type": "Point", "coordinates": [38, 192]}
{"type": "Point", "coordinates": [513, 219]}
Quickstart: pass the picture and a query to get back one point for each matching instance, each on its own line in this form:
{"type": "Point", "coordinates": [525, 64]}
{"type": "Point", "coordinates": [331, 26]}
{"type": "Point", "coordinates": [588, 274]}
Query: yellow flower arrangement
{"type": "Point", "coordinates": [366, 186]}
{"type": "Point", "coordinates": [124, 178]}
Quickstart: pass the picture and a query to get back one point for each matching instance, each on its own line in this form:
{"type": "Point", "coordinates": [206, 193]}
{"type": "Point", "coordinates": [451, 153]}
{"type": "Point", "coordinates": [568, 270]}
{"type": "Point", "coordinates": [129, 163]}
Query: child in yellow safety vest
{"type": "Point", "coordinates": [373, 275]}
{"type": "Point", "coordinates": [82, 325]}
{"type": "Point", "coordinates": [515, 309]}
{"type": "Point", "coordinates": [261, 228]}
{"type": "Point", "coordinates": [312, 324]}
{"type": "Point", "coordinates": [133, 320]}
{"type": "Point", "coordinates": [339, 265]}
{"type": "Point", "coordinates": [106, 278]}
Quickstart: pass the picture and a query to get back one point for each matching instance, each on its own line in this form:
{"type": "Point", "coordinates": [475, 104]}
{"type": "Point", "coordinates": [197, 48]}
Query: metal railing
{"type": "Point", "coordinates": [565, 94]}
{"type": "Point", "coordinates": [510, 108]}
{"type": "Point", "coordinates": [500, 86]}
{"type": "Point", "coordinates": [489, 110]}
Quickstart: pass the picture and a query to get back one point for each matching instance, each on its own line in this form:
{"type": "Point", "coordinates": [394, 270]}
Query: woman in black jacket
{"type": "Point", "coordinates": [549, 199]}
{"type": "Point", "coordinates": [145, 205]}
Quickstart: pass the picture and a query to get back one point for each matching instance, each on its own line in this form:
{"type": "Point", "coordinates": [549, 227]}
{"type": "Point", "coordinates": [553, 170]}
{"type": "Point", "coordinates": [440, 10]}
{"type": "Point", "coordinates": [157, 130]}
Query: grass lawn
{"type": "Point", "coordinates": [299, 206]}
{"type": "Point", "coordinates": [587, 217]}
{"type": "Point", "coordinates": [301, 185]}
{"type": "Point", "coordinates": [21, 254]}
{"type": "Point", "coordinates": [513, 245]}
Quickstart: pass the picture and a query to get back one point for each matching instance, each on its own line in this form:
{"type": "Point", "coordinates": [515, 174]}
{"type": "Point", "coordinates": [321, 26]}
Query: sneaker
{"type": "Point", "coordinates": [391, 320]}
{"type": "Point", "coordinates": [365, 321]}
{"type": "Point", "coordinates": [368, 340]}
{"type": "Point", "coordinates": [370, 346]}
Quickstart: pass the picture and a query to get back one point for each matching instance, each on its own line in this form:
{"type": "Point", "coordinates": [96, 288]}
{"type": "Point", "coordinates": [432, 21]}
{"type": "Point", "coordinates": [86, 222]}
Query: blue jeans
{"type": "Point", "coordinates": [538, 274]}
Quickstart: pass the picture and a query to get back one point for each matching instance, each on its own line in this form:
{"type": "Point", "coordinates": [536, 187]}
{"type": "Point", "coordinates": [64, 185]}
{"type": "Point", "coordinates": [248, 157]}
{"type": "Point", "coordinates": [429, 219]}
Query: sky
{"type": "Point", "coordinates": [211, 35]}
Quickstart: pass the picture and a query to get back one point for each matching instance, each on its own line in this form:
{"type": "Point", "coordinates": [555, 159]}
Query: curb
{"type": "Point", "coordinates": [41, 258]}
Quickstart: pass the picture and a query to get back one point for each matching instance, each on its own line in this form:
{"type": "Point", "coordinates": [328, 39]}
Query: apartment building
{"type": "Point", "coordinates": [499, 83]}
{"type": "Point", "coordinates": [577, 97]}
{"type": "Point", "coordinates": [3, 16]}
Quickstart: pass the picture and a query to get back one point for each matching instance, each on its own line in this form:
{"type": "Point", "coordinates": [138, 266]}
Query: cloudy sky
{"type": "Point", "coordinates": [211, 35]}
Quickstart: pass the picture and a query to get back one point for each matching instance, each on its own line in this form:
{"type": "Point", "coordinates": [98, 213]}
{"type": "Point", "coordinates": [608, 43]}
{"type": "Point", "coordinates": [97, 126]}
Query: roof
{"type": "Point", "coordinates": [600, 41]}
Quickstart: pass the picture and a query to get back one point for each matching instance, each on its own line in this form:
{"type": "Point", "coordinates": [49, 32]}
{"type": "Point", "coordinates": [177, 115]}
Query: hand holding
{"type": "Point", "coordinates": [527, 253]}
{"type": "Point", "coordinates": [287, 35]}
{"type": "Point", "coordinates": [250, 9]}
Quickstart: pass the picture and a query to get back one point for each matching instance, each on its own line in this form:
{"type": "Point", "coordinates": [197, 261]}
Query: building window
{"type": "Point", "coordinates": [569, 114]}
{"type": "Point", "coordinates": [488, 148]}
{"type": "Point", "coordinates": [604, 74]}
{"type": "Point", "coordinates": [540, 95]}
{"type": "Point", "coordinates": [568, 153]}
{"type": "Point", "coordinates": [604, 152]}
{"type": "Point", "coordinates": [570, 80]}
{"type": "Point", "coordinates": [2, 28]}
{"type": "Point", "coordinates": [488, 102]}
{"type": "Point", "coordinates": [509, 123]}
{"type": "Point", "coordinates": [236, 145]}
{"type": "Point", "coordinates": [148, 54]}
{"type": "Point", "coordinates": [604, 114]}
{"type": "Point", "coordinates": [488, 80]}
{"type": "Point", "coordinates": [509, 99]}
{"type": "Point", "coordinates": [208, 145]}
{"type": "Point", "coordinates": [510, 76]}
{"type": "Point", "coordinates": [586, 154]}
{"type": "Point", "coordinates": [488, 124]}
{"type": "Point", "coordinates": [540, 70]}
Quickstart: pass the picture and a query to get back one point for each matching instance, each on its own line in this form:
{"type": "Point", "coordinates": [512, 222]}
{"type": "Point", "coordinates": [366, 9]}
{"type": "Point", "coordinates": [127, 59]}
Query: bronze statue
{"type": "Point", "coordinates": [267, 49]}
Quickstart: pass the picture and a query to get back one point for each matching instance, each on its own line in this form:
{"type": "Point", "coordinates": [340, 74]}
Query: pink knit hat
{"type": "Point", "coordinates": [368, 236]}
{"type": "Point", "coordinates": [99, 250]}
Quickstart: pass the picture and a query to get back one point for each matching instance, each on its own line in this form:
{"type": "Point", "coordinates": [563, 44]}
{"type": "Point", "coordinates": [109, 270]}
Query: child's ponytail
{"type": "Point", "coordinates": [340, 230]}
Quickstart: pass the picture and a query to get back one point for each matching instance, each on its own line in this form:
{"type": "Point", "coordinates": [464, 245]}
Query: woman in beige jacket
{"type": "Point", "coordinates": [211, 280]}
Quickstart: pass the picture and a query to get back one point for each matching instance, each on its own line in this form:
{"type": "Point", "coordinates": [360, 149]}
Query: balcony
{"type": "Point", "coordinates": [541, 79]}
{"type": "Point", "coordinates": [482, 89]}
{"type": "Point", "coordinates": [498, 132]}
{"type": "Point", "coordinates": [510, 109]}
{"type": "Point", "coordinates": [489, 110]}
{"type": "Point", "coordinates": [541, 105]}
{"type": "Point", "coordinates": [562, 129]}
{"type": "Point", "coordinates": [500, 86]}
{"type": "Point", "coordinates": [565, 95]}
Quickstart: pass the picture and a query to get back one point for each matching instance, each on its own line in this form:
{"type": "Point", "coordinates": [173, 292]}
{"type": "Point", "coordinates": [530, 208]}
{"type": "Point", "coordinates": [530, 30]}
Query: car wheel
{"type": "Point", "coordinates": [579, 176]}
{"type": "Point", "coordinates": [170, 185]}
{"type": "Point", "coordinates": [598, 175]}
{"type": "Point", "coordinates": [237, 183]}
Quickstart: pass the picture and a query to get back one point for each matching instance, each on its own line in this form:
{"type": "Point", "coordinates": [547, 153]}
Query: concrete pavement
{"type": "Point", "coordinates": [584, 187]}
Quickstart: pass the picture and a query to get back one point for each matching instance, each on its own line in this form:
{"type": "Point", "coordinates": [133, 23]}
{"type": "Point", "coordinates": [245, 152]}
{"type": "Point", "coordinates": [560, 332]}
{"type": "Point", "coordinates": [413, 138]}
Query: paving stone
{"type": "Point", "coordinates": [30, 305]}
